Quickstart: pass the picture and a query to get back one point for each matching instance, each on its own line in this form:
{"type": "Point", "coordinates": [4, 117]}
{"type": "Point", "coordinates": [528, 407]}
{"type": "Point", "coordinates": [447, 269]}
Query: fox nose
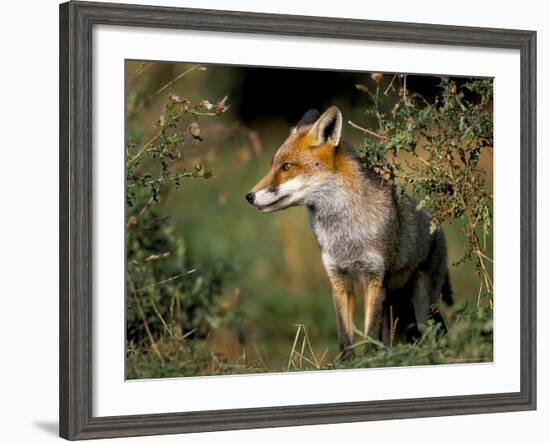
{"type": "Point", "coordinates": [250, 197]}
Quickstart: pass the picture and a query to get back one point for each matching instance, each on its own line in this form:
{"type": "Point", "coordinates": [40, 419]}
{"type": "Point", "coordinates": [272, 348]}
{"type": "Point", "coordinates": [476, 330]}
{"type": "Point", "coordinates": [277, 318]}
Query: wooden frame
{"type": "Point", "coordinates": [76, 243]}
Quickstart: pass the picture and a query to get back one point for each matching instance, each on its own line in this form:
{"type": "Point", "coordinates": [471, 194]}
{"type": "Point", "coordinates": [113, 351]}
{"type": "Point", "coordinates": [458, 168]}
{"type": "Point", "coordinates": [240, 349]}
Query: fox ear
{"type": "Point", "coordinates": [328, 127]}
{"type": "Point", "coordinates": [307, 119]}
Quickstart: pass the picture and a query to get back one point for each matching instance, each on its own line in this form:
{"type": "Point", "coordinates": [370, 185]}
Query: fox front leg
{"type": "Point", "coordinates": [344, 306]}
{"type": "Point", "coordinates": [374, 294]}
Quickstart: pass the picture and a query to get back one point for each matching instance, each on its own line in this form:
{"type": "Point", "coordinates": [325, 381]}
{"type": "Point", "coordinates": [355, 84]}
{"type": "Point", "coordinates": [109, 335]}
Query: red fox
{"type": "Point", "coordinates": [369, 238]}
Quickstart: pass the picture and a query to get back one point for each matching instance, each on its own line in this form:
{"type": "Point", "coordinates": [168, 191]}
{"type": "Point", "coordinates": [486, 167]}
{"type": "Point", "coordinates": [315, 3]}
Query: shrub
{"type": "Point", "coordinates": [168, 297]}
{"type": "Point", "coordinates": [433, 149]}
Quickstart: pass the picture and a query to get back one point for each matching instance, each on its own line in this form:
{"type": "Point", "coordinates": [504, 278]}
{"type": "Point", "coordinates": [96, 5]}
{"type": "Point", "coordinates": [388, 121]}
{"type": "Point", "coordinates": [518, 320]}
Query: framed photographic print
{"type": "Point", "coordinates": [272, 220]}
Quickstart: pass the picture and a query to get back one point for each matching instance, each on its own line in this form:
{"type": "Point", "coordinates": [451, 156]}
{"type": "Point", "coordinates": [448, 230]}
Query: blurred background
{"type": "Point", "coordinates": [268, 271]}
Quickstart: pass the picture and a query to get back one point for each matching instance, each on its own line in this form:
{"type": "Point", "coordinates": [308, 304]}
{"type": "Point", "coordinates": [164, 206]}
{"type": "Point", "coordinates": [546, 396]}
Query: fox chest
{"type": "Point", "coordinates": [347, 247]}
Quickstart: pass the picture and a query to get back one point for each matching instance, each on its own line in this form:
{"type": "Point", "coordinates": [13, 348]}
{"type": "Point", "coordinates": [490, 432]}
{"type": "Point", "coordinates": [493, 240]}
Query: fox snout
{"type": "Point", "coordinates": [268, 199]}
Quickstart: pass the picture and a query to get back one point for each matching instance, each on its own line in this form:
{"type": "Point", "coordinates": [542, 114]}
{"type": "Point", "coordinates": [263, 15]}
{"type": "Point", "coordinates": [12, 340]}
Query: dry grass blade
{"type": "Point", "coordinates": [302, 350]}
{"type": "Point", "coordinates": [293, 349]}
{"type": "Point", "coordinates": [173, 278]}
{"type": "Point", "coordinates": [140, 70]}
{"type": "Point", "coordinates": [317, 365]}
{"type": "Point", "coordinates": [393, 327]}
{"type": "Point", "coordinates": [189, 333]}
{"type": "Point", "coordinates": [152, 340]}
{"type": "Point", "coordinates": [170, 83]}
{"type": "Point", "coordinates": [390, 85]}
{"type": "Point", "coordinates": [296, 358]}
{"type": "Point", "coordinates": [323, 356]}
{"type": "Point", "coordinates": [161, 318]}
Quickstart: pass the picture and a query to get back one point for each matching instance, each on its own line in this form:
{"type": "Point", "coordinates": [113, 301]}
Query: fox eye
{"type": "Point", "coordinates": [286, 166]}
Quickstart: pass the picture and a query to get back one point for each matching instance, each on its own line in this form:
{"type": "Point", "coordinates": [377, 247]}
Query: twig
{"type": "Point", "coordinates": [189, 333]}
{"type": "Point", "coordinates": [390, 85]}
{"type": "Point", "coordinates": [138, 155]}
{"type": "Point", "coordinates": [460, 103]}
{"type": "Point", "coordinates": [146, 146]}
{"type": "Point", "coordinates": [166, 280]}
{"type": "Point", "coordinates": [142, 211]}
{"type": "Point", "coordinates": [367, 131]}
{"type": "Point", "coordinates": [479, 252]}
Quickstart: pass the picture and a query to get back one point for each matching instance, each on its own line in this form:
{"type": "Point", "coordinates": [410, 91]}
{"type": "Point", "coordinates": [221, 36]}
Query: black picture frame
{"type": "Point", "coordinates": [77, 20]}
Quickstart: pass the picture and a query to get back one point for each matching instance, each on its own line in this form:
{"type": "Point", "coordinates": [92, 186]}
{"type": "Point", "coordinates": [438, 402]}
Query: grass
{"type": "Point", "coordinates": [469, 339]}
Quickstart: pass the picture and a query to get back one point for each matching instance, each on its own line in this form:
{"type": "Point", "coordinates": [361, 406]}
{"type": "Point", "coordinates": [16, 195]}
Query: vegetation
{"type": "Point", "coordinates": [168, 298]}
{"type": "Point", "coordinates": [197, 298]}
{"type": "Point", "coordinates": [433, 150]}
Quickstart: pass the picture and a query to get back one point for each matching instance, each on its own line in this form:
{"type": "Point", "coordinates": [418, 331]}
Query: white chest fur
{"type": "Point", "coordinates": [349, 237]}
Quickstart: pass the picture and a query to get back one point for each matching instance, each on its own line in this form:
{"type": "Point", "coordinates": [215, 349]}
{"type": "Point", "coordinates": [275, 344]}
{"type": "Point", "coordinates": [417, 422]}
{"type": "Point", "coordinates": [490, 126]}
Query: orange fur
{"type": "Point", "coordinates": [307, 159]}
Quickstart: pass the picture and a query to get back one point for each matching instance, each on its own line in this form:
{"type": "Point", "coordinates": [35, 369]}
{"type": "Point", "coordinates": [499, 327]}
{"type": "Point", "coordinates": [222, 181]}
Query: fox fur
{"type": "Point", "coordinates": [371, 242]}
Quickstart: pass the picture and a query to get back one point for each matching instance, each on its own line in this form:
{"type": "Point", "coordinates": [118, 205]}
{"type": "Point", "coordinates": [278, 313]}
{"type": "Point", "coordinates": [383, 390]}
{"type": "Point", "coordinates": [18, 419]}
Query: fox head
{"type": "Point", "coordinates": [303, 165]}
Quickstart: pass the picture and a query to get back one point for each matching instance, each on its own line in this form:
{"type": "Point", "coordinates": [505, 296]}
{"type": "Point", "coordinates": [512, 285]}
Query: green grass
{"type": "Point", "coordinates": [469, 339]}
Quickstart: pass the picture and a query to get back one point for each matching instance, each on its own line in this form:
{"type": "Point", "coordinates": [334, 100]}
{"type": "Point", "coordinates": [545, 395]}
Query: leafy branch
{"type": "Point", "coordinates": [164, 149]}
{"type": "Point", "coordinates": [169, 297]}
{"type": "Point", "coordinates": [434, 151]}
